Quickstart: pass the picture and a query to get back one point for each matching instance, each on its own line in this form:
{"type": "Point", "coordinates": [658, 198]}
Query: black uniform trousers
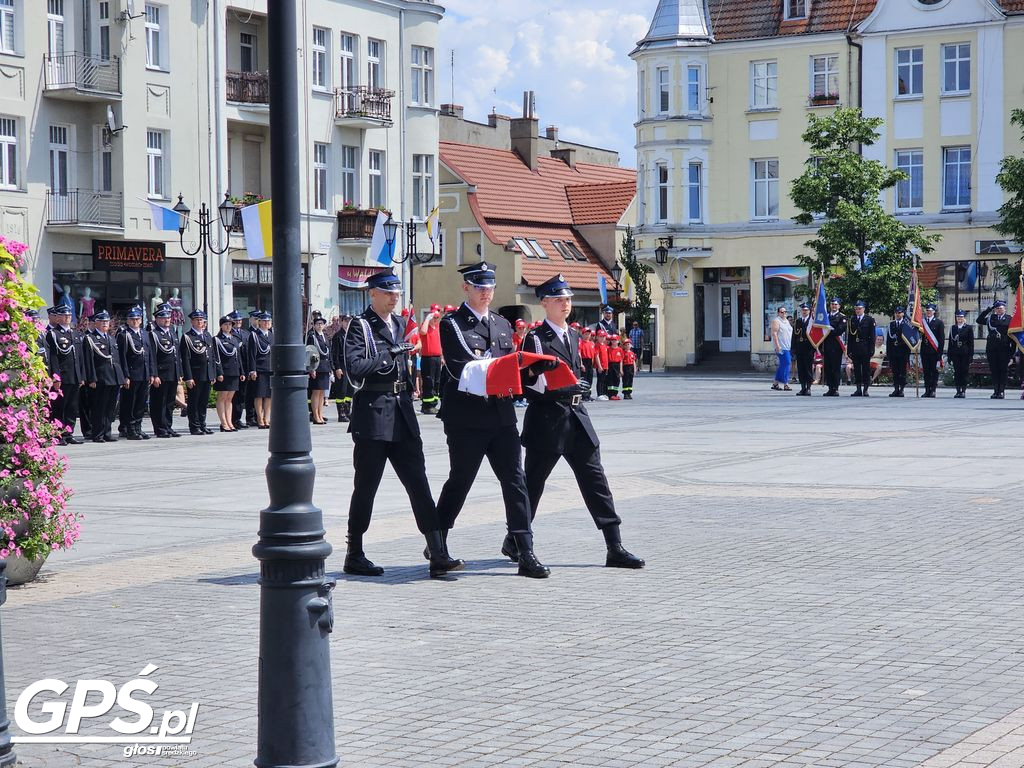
{"type": "Point", "coordinates": [832, 356]}
{"type": "Point", "coordinates": [805, 368]}
{"type": "Point", "coordinates": [85, 410]}
{"type": "Point", "coordinates": [611, 380]}
{"type": "Point", "coordinates": [102, 401]}
{"type": "Point", "coordinates": [466, 451]}
{"type": "Point", "coordinates": [133, 404]}
{"type": "Point", "coordinates": [627, 378]}
{"type": "Point", "coordinates": [998, 365]}
{"type": "Point", "coordinates": [65, 408]}
{"type": "Point", "coordinates": [861, 370]}
{"type": "Point", "coordinates": [930, 364]}
{"type": "Point", "coordinates": [406, 456]}
{"type": "Point", "coordinates": [250, 402]}
{"type": "Point", "coordinates": [161, 406]}
{"type": "Point", "coordinates": [588, 371]}
{"type": "Point", "coordinates": [585, 461]}
{"type": "Point", "coordinates": [430, 370]}
{"type": "Point", "coordinates": [197, 401]}
{"type": "Point", "coordinates": [898, 364]}
{"type": "Point", "coordinates": [602, 378]}
{"type": "Point", "coordinates": [961, 370]}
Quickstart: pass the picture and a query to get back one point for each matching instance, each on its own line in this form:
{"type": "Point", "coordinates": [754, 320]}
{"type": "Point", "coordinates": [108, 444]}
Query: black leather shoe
{"type": "Point", "coordinates": [832, 393]}
{"type": "Point", "coordinates": [894, 394]}
{"type": "Point", "coordinates": [98, 440]}
{"type": "Point", "coordinates": [618, 557]}
{"type": "Point", "coordinates": [240, 425]}
{"type": "Point", "coordinates": [207, 431]}
{"type": "Point", "coordinates": [172, 433]}
{"type": "Point", "coordinates": [163, 434]}
{"type": "Point", "coordinates": [858, 393]}
{"type": "Point", "coordinates": [195, 432]}
{"type": "Point", "coordinates": [109, 439]}
{"type": "Point", "coordinates": [72, 440]}
{"type": "Point", "coordinates": [509, 548]}
{"type": "Point", "coordinates": [358, 564]}
{"type": "Point", "coordinates": [437, 553]}
{"type": "Point", "coordinates": [531, 567]}
{"type": "Point", "coordinates": [134, 436]}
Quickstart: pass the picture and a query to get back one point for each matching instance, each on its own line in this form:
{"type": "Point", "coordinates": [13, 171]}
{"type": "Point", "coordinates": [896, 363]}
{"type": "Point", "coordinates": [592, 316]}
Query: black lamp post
{"type": "Point", "coordinates": [6, 750]}
{"type": "Point", "coordinates": [411, 251]}
{"type": "Point", "coordinates": [661, 252]}
{"type": "Point", "coordinates": [226, 211]}
{"type": "Point", "coordinates": [616, 274]}
{"type": "Point", "coordinates": [295, 723]}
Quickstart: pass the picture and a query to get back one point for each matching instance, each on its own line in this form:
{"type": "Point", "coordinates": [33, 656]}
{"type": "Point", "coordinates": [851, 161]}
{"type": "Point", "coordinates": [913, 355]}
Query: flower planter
{"type": "Point", "coordinates": [21, 571]}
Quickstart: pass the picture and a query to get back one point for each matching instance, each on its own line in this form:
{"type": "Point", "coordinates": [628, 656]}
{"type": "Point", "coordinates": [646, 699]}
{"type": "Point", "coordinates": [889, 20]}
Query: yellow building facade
{"type": "Point", "coordinates": [724, 93]}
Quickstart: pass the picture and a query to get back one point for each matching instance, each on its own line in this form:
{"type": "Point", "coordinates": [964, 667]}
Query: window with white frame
{"type": "Point", "coordinates": [422, 185]}
{"type": "Point", "coordinates": [956, 68]}
{"type": "Point", "coordinates": [55, 28]}
{"type": "Point", "coordinates": [796, 9]}
{"type": "Point", "coordinates": [663, 91]}
{"type": "Point", "coordinates": [320, 200]}
{"type": "Point", "coordinates": [825, 76]}
{"type": "Point", "coordinates": [764, 84]}
{"type": "Point", "coordinates": [693, 184]}
{"type": "Point", "coordinates": [8, 27]}
{"type": "Point", "coordinates": [956, 177]}
{"type": "Point", "coordinates": [422, 75]}
{"type": "Point", "coordinates": [156, 164]}
{"type": "Point", "coordinates": [374, 64]}
{"type": "Point", "coordinates": [693, 89]}
{"type": "Point", "coordinates": [766, 189]}
{"type": "Point", "coordinates": [350, 175]}
{"type": "Point", "coordinates": [59, 152]}
{"type": "Point", "coordinates": [909, 71]}
{"type": "Point", "coordinates": [376, 173]}
{"type": "Point", "coordinates": [104, 168]}
{"type": "Point", "coordinates": [320, 58]}
{"type": "Point", "coordinates": [154, 37]}
{"type": "Point", "coordinates": [565, 252]}
{"type": "Point", "coordinates": [541, 254]}
{"type": "Point", "coordinates": [8, 153]}
{"type": "Point", "coordinates": [347, 51]}
{"type": "Point", "coordinates": [247, 52]}
{"type": "Point", "coordinates": [662, 176]}
{"type": "Point", "coordinates": [910, 191]}
{"type": "Point", "coordinates": [103, 28]}
{"type": "Point", "coordinates": [524, 247]}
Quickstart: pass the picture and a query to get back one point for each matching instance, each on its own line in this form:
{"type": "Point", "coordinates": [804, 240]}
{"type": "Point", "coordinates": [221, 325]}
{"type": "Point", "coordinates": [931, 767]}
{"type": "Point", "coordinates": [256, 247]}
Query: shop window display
{"type": "Point", "coordinates": [780, 290]}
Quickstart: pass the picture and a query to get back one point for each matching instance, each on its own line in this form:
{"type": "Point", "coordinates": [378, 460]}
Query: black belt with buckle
{"type": "Point", "coordinates": [392, 387]}
{"type": "Point", "coordinates": [571, 401]}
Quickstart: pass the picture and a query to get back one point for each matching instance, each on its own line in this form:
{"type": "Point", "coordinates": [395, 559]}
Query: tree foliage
{"type": "Point", "coordinates": [863, 251]}
{"type": "Point", "coordinates": [641, 284]}
{"type": "Point", "coordinates": [1011, 214]}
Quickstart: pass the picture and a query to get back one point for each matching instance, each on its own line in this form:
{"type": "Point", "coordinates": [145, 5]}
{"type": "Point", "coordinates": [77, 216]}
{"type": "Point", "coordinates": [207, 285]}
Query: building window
{"type": "Point", "coordinates": [55, 28]}
{"type": "Point", "coordinates": [956, 177]}
{"type": "Point", "coordinates": [422, 185]}
{"type": "Point", "coordinates": [375, 64]}
{"type": "Point", "coordinates": [764, 84]}
{"type": "Point", "coordinates": [956, 68]}
{"type": "Point", "coordinates": [350, 175]}
{"type": "Point", "coordinates": [155, 164]}
{"type": "Point", "coordinates": [104, 168]}
{"type": "Point", "coordinates": [59, 151]}
{"type": "Point", "coordinates": [662, 212]}
{"type": "Point", "coordinates": [565, 252]}
{"type": "Point", "coordinates": [347, 44]}
{"type": "Point", "coordinates": [781, 285]}
{"type": "Point", "coordinates": [796, 9]}
{"type": "Point", "coordinates": [154, 37]}
{"type": "Point", "coordinates": [422, 76]}
{"type": "Point", "coordinates": [320, 203]}
{"type": "Point", "coordinates": [693, 89]}
{"type": "Point", "coordinates": [663, 102]}
{"type": "Point", "coordinates": [910, 191]}
{"type": "Point", "coordinates": [320, 57]}
{"type": "Point", "coordinates": [8, 153]}
{"type": "Point", "coordinates": [247, 52]}
{"type": "Point", "coordinates": [576, 252]}
{"type": "Point", "coordinates": [693, 189]}
{"type": "Point", "coordinates": [909, 71]}
{"type": "Point", "coordinates": [825, 76]}
{"type": "Point", "coordinates": [766, 189]}
{"type": "Point", "coordinates": [376, 162]}
{"type": "Point", "coordinates": [7, 26]}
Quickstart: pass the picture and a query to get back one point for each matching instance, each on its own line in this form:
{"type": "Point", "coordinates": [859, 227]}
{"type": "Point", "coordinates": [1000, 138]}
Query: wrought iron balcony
{"type": "Point", "coordinates": [356, 224]}
{"type": "Point", "coordinates": [81, 76]}
{"type": "Point", "coordinates": [84, 207]}
{"type": "Point", "coordinates": [248, 87]}
{"type": "Point", "coordinates": [362, 106]}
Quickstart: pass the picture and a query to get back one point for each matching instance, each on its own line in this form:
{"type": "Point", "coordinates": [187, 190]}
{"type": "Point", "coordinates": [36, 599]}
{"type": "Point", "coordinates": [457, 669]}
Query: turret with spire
{"type": "Point", "coordinates": [678, 23]}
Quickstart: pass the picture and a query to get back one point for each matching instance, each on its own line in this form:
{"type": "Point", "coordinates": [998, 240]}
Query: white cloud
{"type": "Point", "coordinates": [573, 53]}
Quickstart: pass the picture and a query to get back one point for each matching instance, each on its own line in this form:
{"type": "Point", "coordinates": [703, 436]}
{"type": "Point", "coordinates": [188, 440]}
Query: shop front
{"type": "Point", "coordinates": [252, 286]}
{"type": "Point", "coordinates": [726, 321]}
{"type": "Point", "coordinates": [353, 296]}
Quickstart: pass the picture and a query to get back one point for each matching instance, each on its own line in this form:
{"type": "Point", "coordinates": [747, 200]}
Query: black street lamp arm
{"type": "Point", "coordinates": [411, 251]}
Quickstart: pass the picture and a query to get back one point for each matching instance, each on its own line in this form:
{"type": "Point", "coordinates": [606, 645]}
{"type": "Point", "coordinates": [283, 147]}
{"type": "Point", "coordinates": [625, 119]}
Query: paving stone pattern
{"type": "Point", "coordinates": [831, 582]}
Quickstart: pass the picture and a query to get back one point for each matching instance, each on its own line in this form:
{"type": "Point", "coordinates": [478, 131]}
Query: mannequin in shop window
{"type": "Point", "coordinates": [87, 304]}
{"type": "Point", "coordinates": [65, 300]}
{"type": "Point", "coordinates": [156, 301]}
{"type": "Point", "coordinates": [176, 304]}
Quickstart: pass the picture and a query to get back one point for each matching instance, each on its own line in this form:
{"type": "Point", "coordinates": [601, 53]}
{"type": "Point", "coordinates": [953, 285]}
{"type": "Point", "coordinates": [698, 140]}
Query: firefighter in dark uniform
{"type": "Point", "coordinates": [832, 349]}
{"type": "Point", "coordinates": [341, 390]}
{"type": "Point", "coordinates": [897, 351]}
{"type": "Point", "coordinates": [167, 372]}
{"type": "Point", "coordinates": [607, 321]}
{"type": "Point", "coordinates": [803, 350]}
{"type": "Point", "coordinates": [64, 358]}
{"type": "Point", "coordinates": [556, 425]}
{"type": "Point", "coordinates": [478, 426]}
{"type": "Point", "coordinates": [238, 400]}
{"type": "Point", "coordinates": [139, 368]}
{"type": "Point", "coordinates": [250, 419]}
{"type": "Point", "coordinates": [860, 340]}
{"type": "Point", "coordinates": [961, 352]}
{"type": "Point", "coordinates": [104, 376]}
{"type": "Point", "coordinates": [384, 427]}
{"type": "Point", "coordinates": [932, 356]}
{"type": "Point", "coordinates": [200, 367]}
{"type": "Point", "coordinates": [998, 346]}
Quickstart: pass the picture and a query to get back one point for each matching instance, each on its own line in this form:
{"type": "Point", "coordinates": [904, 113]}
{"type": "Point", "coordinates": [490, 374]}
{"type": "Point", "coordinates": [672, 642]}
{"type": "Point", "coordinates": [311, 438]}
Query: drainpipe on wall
{"type": "Point", "coordinates": [404, 114]}
{"type": "Point", "coordinates": [219, 137]}
{"type": "Point", "coordinates": [860, 76]}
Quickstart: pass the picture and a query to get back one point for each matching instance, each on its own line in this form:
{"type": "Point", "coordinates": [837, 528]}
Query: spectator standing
{"type": "Point", "coordinates": [636, 338]}
{"type": "Point", "coordinates": [782, 338]}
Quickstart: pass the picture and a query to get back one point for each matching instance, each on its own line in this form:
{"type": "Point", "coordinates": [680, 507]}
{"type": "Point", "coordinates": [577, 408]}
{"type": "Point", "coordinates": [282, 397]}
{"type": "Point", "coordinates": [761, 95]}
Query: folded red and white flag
{"type": "Point", "coordinates": [499, 376]}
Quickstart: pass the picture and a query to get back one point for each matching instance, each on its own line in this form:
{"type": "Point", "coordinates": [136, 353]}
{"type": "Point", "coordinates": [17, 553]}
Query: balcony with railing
{"type": "Point", "coordinates": [82, 77]}
{"type": "Point", "coordinates": [356, 224]}
{"type": "Point", "coordinates": [363, 107]}
{"type": "Point", "coordinates": [89, 208]}
{"type": "Point", "coordinates": [248, 87]}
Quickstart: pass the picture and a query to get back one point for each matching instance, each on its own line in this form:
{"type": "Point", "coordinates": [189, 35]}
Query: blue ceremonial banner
{"type": "Point", "coordinates": [821, 326]}
{"type": "Point", "coordinates": [164, 219]}
{"type": "Point", "coordinates": [910, 335]}
{"type": "Point", "coordinates": [602, 287]}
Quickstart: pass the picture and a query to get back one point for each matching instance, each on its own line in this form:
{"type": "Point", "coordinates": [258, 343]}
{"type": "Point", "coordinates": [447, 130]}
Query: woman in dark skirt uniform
{"type": "Point", "coordinates": [260, 342]}
{"type": "Point", "coordinates": [319, 379]}
{"type": "Point", "coordinates": [230, 348]}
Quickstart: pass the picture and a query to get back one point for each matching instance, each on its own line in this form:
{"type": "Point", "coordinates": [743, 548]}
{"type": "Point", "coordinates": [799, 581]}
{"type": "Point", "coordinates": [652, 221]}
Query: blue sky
{"type": "Point", "coordinates": [574, 54]}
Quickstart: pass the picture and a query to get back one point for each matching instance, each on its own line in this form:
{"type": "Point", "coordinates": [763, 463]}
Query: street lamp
{"type": "Point", "coordinates": [661, 252]}
{"type": "Point", "coordinates": [411, 251]}
{"type": "Point", "coordinates": [616, 274]}
{"type": "Point", "coordinates": [226, 212]}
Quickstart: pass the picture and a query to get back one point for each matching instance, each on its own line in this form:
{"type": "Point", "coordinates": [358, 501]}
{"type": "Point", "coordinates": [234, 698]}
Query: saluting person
{"type": "Point", "coordinates": [104, 375]}
{"type": "Point", "coordinates": [139, 369]}
{"type": "Point", "coordinates": [167, 373]}
{"type": "Point", "coordinates": [998, 346]}
{"type": "Point", "coordinates": [803, 350]}
{"type": "Point", "coordinates": [860, 338]}
{"type": "Point", "coordinates": [932, 356]}
{"type": "Point", "coordinates": [897, 350]}
{"type": "Point", "coordinates": [200, 367]}
{"type": "Point", "coordinates": [64, 358]}
{"type": "Point", "coordinates": [961, 353]}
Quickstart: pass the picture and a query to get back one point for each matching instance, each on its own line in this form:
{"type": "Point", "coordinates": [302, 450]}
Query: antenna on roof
{"type": "Point", "coordinates": [453, 75]}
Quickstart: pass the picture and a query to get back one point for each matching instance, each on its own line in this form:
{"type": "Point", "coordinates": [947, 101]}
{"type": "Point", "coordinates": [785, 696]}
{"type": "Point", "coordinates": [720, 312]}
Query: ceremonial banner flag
{"type": "Point", "coordinates": [917, 313]}
{"type": "Point", "coordinates": [164, 219]}
{"type": "Point", "coordinates": [913, 318]}
{"type": "Point", "coordinates": [258, 230]}
{"type": "Point", "coordinates": [380, 250]}
{"type": "Point", "coordinates": [499, 376]}
{"type": "Point", "coordinates": [602, 288]}
{"type": "Point", "coordinates": [412, 329]}
{"type": "Point", "coordinates": [433, 222]}
{"type": "Point", "coordinates": [1016, 329]}
{"type": "Point", "coordinates": [820, 325]}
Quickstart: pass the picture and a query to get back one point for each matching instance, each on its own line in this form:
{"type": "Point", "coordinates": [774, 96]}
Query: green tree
{"type": "Point", "coordinates": [863, 251]}
{"type": "Point", "coordinates": [1011, 214]}
{"type": "Point", "coordinates": [641, 310]}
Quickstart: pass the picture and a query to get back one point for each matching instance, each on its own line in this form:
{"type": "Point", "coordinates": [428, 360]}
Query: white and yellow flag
{"type": "Point", "coordinates": [433, 223]}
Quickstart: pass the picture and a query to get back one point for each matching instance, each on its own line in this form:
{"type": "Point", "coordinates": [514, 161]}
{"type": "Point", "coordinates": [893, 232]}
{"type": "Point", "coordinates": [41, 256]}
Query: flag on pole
{"type": "Point", "coordinates": [820, 325]}
{"type": "Point", "coordinates": [412, 329]}
{"type": "Point", "coordinates": [913, 318]}
{"type": "Point", "coordinates": [380, 250]}
{"type": "Point", "coordinates": [258, 230]}
{"type": "Point", "coordinates": [433, 222]}
{"type": "Point", "coordinates": [602, 288]}
{"type": "Point", "coordinates": [1016, 329]}
{"type": "Point", "coordinates": [627, 286]}
{"type": "Point", "coordinates": [164, 219]}
{"type": "Point", "coordinates": [917, 317]}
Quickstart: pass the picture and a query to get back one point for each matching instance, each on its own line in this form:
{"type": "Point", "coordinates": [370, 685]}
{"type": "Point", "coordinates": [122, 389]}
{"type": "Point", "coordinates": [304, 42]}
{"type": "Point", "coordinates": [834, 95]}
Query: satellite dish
{"type": "Point", "coordinates": [111, 125]}
{"type": "Point", "coordinates": [129, 7]}
{"type": "Point", "coordinates": [110, 130]}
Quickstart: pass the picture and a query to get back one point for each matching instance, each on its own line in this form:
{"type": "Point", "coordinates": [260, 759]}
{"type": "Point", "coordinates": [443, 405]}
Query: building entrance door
{"type": "Point", "coordinates": [734, 318]}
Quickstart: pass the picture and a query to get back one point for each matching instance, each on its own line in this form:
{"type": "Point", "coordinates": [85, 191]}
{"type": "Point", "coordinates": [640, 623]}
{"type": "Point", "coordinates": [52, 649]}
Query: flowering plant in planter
{"type": "Point", "coordinates": [34, 518]}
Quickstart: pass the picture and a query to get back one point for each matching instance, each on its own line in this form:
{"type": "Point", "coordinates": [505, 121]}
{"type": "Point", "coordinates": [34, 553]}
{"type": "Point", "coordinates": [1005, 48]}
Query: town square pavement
{"type": "Point", "coordinates": [830, 582]}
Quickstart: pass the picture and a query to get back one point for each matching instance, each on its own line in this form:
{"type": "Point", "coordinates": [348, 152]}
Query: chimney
{"type": "Point", "coordinates": [494, 117]}
{"type": "Point", "coordinates": [567, 155]}
{"type": "Point", "coordinates": [523, 132]}
{"type": "Point", "coordinates": [452, 110]}
{"type": "Point", "coordinates": [551, 132]}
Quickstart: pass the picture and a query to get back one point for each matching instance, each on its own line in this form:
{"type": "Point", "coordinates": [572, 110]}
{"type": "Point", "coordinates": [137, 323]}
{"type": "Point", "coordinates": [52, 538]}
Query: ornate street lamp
{"type": "Point", "coordinates": [661, 252]}
{"type": "Point", "coordinates": [411, 251]}
{"type": "Point", "coordinates": [226, 213]}
{"type": "Point", "coordinates": [616, 274]}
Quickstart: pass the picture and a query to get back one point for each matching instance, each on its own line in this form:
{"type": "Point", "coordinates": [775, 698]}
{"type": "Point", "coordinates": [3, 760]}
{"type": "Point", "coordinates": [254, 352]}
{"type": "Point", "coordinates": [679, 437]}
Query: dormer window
{"type": "Point", "coordinates": [795, 9]}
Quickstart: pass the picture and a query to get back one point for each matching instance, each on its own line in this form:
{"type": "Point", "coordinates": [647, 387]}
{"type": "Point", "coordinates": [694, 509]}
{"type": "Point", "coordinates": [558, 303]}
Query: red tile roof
{"type": "Point", "coordinates": [581, 275]}
{"type": "Point", "coordinates": [600, 203]}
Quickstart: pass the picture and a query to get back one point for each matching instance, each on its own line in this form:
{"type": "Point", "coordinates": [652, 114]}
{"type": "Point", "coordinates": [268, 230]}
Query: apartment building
{"type": "Point", "coordinates": [724, 91]}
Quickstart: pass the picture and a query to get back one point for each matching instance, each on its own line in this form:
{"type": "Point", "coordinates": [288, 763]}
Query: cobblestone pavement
{"type": "Point", "coordinates": [831, 582]}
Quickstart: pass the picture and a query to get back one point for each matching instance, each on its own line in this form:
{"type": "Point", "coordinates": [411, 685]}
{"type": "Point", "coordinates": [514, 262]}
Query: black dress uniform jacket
{"type": "Point", "coordinates": [102, 359]}
{"type": "Point", "coordinates": [860, 336]}
{"type": "Point", "coordinates": [998, 340]}
{"type": "Point", "coordinates": [64, 354]}
{"type": "Point", "coordinates": [137, 359]}
{"type": "Point", "coordinates": [199, 358]}
{"type": "Point", "coordinates": [165, 354]}
{"type": "Point", "coordinates": [961, 341]}
{"type": "Point", "coordinates": [231, 354]}
{"type": "Point", "coordinates": [939, 330]}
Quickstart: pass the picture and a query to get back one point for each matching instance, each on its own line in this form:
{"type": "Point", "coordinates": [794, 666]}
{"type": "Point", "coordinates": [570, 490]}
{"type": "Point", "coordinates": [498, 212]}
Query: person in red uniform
{"type": "Point", "coordinates": [519, 334]}
{"type": "Point", "coordinates": [613, 377]}
{"type": "Point", "coordinates": [628, 369]}
{"type": "Point", "coordinates": [601, 363]}
{"type": "Point", "coordinates": [587, 356]}
{"type": "Point", "coordinates": [430, 360]}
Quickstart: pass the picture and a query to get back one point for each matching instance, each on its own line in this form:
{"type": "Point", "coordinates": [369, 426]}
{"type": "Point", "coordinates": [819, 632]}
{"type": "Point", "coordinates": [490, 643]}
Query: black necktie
{"type": "Point", "coordinates": [565, 340]}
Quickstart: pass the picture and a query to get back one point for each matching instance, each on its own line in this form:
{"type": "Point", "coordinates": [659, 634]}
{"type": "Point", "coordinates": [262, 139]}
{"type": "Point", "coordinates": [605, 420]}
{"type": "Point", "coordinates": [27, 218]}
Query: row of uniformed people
{"type": "Point", "coordinates": [858, 332]}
